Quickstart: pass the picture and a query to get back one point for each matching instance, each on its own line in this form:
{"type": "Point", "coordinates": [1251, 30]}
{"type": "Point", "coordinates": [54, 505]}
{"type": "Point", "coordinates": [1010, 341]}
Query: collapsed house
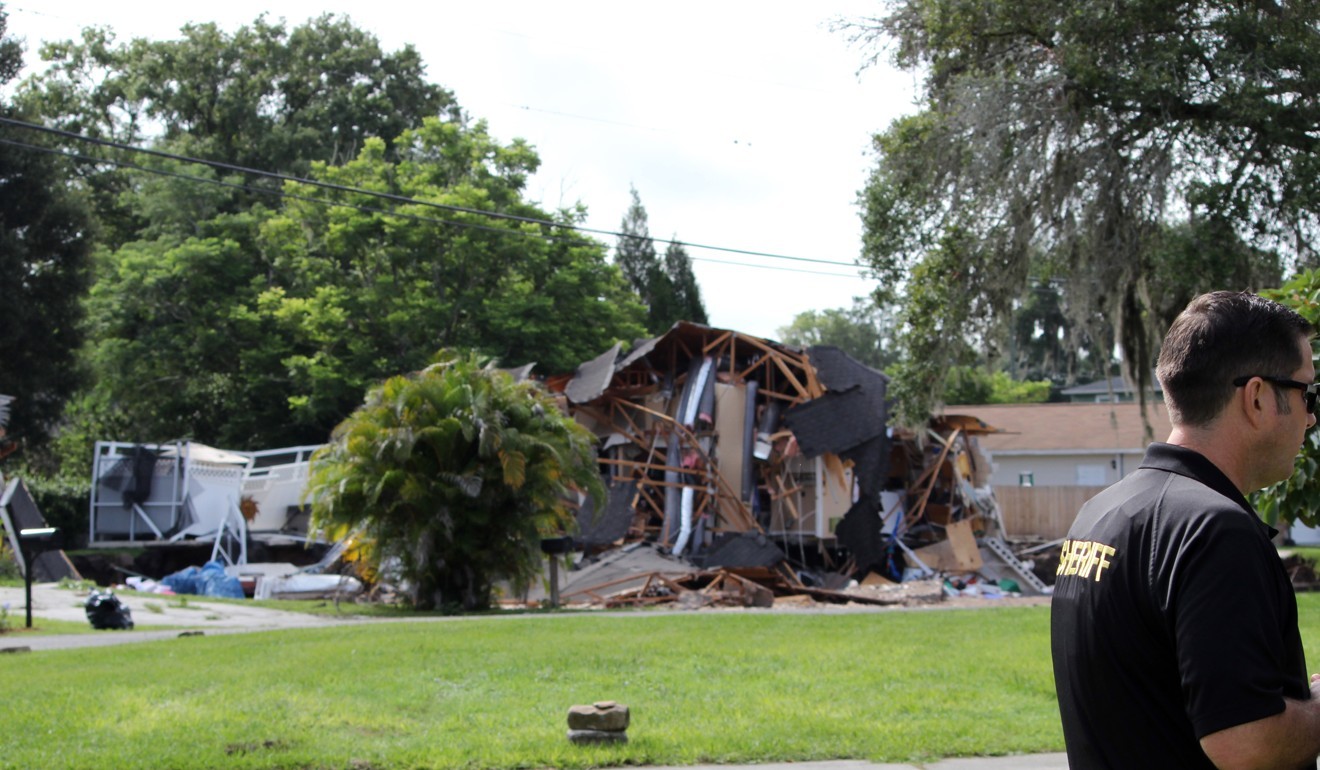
{"type": "Point", "coordinates": [739, 453]}
{"type": "Point", "coordinates": [729, 457]}
{"type": "Point", "coordinates": [187, 492]}
{"type": "Point", "coordinates": [184, 500]}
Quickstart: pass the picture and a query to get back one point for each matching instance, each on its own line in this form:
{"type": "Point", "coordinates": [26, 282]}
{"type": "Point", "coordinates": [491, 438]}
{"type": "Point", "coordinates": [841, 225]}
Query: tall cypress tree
{"type": "Point", "coordinates": [668, 287]}
{"type": "Point", "coordinates": [687, 294]}
{"type": "Point", "coordinates": [635, 253]}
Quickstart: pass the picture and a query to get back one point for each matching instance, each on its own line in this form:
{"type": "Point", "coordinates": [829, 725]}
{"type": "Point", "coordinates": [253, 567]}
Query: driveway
{"type": "Point", "coordinates": [155, 617]}
{"type": "Point", "coordinates": [163, 617]}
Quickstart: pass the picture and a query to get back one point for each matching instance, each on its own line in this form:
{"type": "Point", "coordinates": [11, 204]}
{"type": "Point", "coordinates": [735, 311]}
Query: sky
{"type": "Point", "coordinates": [742, 125]}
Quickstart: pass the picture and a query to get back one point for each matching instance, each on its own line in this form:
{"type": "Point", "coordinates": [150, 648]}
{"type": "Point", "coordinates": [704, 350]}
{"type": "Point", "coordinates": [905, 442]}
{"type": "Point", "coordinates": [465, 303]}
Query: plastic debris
{"type": "Point", "coordinates": [106, 611]}
{"type": "Point", "coordinates": [209, 580]}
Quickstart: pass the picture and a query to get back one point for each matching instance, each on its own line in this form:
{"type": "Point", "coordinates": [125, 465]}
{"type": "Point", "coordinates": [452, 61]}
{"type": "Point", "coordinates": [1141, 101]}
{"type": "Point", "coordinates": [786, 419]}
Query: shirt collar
{"type": "Point", "coordinates": [1194, 465]}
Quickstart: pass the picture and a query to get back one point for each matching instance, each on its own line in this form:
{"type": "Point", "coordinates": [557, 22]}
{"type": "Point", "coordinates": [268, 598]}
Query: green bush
{"type": "Point", "coordinates": [62, 499]}
{"type": "Point", "coordinates": [8, 564]}
{"type": "Point", "coordinates": [457, 472]}
{"type": "Point", "coordinates": [1296, 499]}
{"type": "Point", "coordinates": [970, 385]}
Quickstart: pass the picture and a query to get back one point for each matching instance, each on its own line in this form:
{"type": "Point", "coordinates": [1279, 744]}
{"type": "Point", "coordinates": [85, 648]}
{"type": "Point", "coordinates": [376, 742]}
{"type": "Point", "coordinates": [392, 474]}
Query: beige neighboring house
{"type": "Point", "coordinates": [1052, 457]}
{"type": "Point", "coordinates": [1066, 444]}
{"type": "Point", "coordinates": [1049, 459]}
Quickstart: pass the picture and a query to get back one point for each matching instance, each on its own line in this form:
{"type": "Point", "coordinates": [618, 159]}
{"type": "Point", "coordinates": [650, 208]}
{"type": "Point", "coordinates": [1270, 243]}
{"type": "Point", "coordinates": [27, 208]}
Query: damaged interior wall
{"type": "Point", "coordinates": [690, 426]}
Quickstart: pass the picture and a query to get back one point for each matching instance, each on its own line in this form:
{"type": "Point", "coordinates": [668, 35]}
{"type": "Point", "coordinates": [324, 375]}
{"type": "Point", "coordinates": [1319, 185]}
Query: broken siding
{"type": "Point", "coordinates": [716, 436]}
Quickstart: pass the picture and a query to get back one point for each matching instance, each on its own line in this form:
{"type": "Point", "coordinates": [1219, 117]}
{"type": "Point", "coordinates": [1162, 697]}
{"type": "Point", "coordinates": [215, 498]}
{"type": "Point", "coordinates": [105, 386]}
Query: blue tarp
{"type": "Point", "coordinates": [209, 580]}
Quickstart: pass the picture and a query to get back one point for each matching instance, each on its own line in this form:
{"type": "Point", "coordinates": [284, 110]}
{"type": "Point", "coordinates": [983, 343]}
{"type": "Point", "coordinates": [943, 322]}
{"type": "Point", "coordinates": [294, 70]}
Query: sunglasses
{"type": "Point", "coordinates": [1309, 390]}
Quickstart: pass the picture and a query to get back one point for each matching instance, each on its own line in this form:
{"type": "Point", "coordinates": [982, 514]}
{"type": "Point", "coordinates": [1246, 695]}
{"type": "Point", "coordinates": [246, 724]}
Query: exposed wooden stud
{"type": "Point", "coordinates": [933, 472]}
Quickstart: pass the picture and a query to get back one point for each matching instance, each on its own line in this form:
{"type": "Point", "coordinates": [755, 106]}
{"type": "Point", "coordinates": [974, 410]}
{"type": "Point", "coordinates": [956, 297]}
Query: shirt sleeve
{"type": "Point", "coordinates": [1227, 616]}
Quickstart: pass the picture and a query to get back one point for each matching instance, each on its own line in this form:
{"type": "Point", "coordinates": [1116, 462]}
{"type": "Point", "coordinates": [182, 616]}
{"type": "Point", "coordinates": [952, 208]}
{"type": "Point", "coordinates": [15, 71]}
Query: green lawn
{"type": "Point", "coordinates": [17, 630]}
{"type": "Point", "coordinates": [493, 692]}
{"type": "Point", "coordinates": [1305, 551]}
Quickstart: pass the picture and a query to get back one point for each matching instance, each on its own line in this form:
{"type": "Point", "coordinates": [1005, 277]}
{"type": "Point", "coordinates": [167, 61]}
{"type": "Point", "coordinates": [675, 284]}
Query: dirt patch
{"type": "Point", "coordinates": [250, 748]}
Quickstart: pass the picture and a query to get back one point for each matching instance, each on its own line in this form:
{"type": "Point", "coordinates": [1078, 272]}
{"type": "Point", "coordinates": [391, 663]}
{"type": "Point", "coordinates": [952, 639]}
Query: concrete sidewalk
{"type": "Point", "coordinates": [157, 617]}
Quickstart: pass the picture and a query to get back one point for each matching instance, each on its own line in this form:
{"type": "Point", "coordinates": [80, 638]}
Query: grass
{"type": "Point", "coordinates": [1305, 551]}
{"type": "Point", "coordinates": [494, 692]}
{"type": "Point", "coordinates": [324, 607]}
{"type": "Point", "coordinates": [18, 629]}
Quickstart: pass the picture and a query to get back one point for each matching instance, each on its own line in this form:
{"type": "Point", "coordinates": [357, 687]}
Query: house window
{"type": "Point", "coordinates": [1092, 476]}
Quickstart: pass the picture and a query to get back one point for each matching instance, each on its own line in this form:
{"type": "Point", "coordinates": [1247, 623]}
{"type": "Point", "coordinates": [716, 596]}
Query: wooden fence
{"type": "Point", "coordinates": [1041, 511]}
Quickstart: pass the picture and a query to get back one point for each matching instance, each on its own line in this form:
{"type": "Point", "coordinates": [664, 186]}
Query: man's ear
{"type": "Point", "coordinates": [1252, 401]}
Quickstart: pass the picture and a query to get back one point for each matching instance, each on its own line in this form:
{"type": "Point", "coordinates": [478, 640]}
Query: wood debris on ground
{"type": "Point", "coordinates": [768, 473]}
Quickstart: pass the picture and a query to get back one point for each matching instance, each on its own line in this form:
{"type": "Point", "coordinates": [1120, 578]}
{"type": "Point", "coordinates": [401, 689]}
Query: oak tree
{"type": "Point", "coordinates": [1062, 141]}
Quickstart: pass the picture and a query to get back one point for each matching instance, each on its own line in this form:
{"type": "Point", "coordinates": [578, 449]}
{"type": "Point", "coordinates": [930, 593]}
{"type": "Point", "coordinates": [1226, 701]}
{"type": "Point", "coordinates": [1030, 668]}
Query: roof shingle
{"type": "Point", "coordinates": [1064, 427]}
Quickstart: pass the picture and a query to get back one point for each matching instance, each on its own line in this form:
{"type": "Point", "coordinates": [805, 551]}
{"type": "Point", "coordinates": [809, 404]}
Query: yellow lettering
{"type": "Point", "coordinates": [1075, 558]}
{"type": "Point", "coordinates": [1079, 557]}
{"type": "Point", "coordinates": [1089, 559]}
{"type": "Point", "coordinates": [1105, 550]}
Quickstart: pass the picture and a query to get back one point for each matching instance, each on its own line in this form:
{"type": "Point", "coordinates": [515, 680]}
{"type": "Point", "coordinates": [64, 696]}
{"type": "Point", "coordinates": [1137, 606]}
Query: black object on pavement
{"type": "Point", "coordinates": [106, 611]}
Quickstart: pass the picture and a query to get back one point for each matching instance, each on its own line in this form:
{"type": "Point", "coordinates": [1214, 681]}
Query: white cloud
{"type": "Point", "coordinates": [741, 124]}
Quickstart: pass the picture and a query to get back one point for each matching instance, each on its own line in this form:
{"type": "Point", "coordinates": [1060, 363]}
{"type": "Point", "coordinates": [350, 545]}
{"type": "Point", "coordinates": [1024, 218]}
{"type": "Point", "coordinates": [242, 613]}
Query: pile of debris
{"type": "Point", "coordinates": [758, 472]}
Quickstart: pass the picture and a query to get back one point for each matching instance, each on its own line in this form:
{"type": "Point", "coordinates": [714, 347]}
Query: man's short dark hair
{"type": "Point", "coordinates": [1219, 337]}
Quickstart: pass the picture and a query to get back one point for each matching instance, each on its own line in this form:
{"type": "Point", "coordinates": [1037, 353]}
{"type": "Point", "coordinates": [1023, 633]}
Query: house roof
{"type": "Point", "coordinates": [1068, 427]}
{"type": "Point", "coordinates": [1103, 387]}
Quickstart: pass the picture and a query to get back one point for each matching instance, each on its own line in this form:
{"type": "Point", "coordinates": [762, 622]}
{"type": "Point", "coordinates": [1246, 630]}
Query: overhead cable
{"type": "Point", "coordinates": [367, 209]}
{"type": "Point", "coordinates": [392, 197]}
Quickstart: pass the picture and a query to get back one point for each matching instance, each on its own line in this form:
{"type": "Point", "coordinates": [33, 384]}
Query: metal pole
{"type": "Point", "coordinates": [25, 536]}
{"type": "Point", "coordinates": [27, 584]}
{"type": "Point", "coordinates": [554, 581]}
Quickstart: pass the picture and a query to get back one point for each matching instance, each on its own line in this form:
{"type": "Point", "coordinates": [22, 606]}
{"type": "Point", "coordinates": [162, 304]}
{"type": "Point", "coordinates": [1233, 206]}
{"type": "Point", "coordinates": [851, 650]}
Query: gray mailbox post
{"type": "Point", "coordinates": [555, 547]}
{"type": "Point", "coordinates": [34, 542]}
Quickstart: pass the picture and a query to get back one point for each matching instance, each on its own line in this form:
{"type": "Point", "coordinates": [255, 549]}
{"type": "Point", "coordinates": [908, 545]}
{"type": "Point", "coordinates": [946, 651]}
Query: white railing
{"type": "Point", "coordinates": [194, 492]}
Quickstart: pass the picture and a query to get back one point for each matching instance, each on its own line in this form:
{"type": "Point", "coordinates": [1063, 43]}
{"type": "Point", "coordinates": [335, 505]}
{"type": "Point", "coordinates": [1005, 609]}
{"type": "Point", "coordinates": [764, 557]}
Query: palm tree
{"type": "Point", "coordinates": [457, 472]}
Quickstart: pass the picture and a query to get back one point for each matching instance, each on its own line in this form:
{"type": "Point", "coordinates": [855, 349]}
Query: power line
{"type": "Point", "coordinates": [371, 209]}
{"type": "Point", "coordinates": [280, 193]}
{"type": "Point", "coordinates": [395, 198]}
{"type": "Point", "coordinates": [852, 276]}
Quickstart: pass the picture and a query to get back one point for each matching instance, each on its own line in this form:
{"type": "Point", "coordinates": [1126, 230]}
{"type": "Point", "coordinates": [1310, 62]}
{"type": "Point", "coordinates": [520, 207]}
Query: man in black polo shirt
{"type": "Point", "coordinates": [1174, 625]}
